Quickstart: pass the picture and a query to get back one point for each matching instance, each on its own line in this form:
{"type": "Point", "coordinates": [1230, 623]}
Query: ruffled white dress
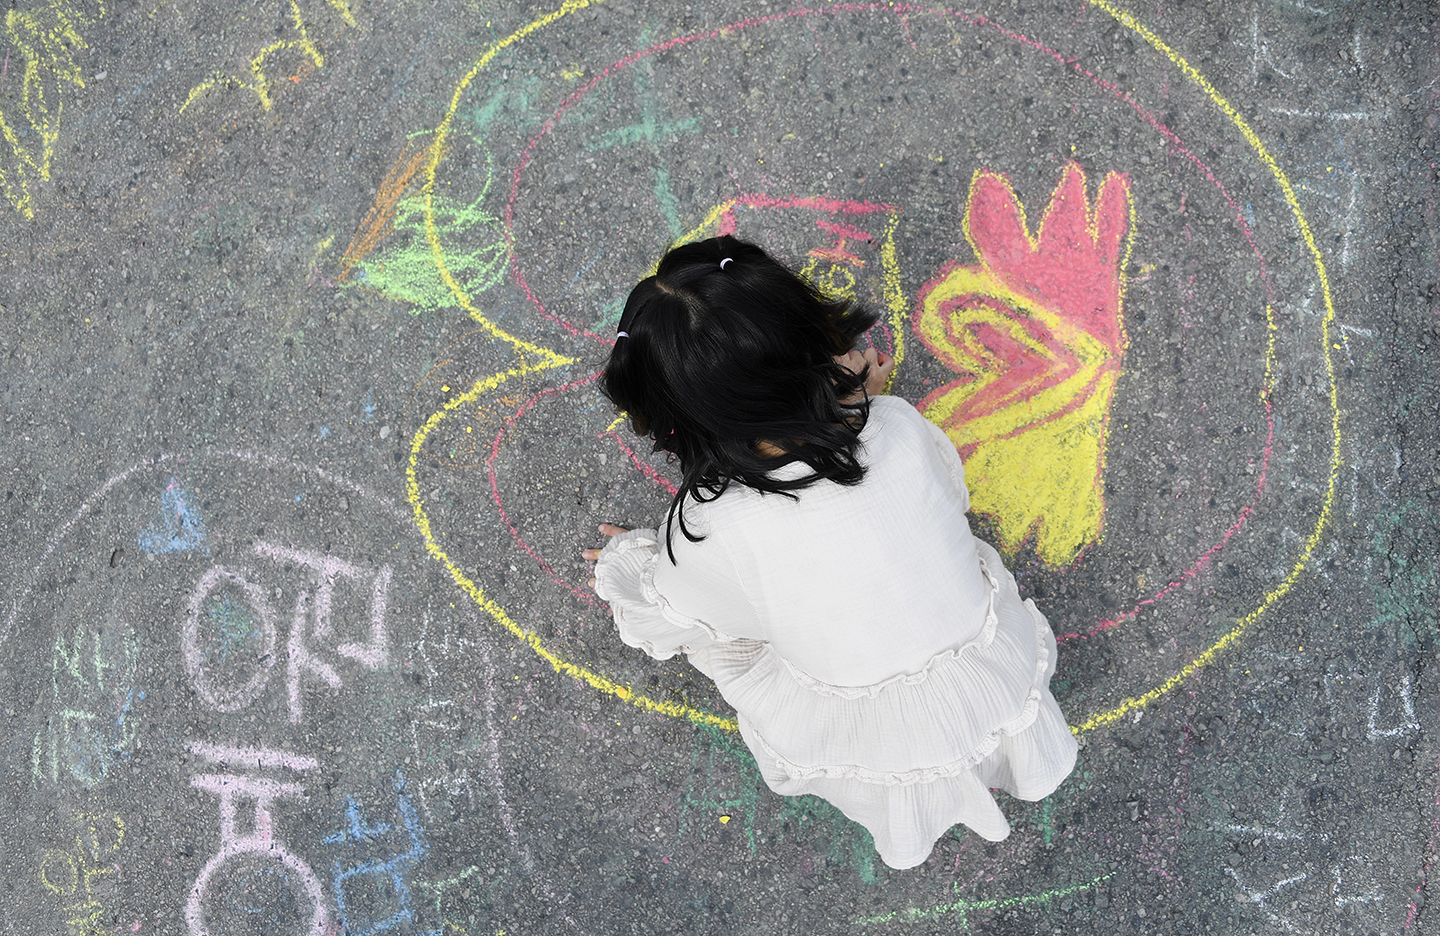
{"type": "Point", "coordinates": [877, 654]}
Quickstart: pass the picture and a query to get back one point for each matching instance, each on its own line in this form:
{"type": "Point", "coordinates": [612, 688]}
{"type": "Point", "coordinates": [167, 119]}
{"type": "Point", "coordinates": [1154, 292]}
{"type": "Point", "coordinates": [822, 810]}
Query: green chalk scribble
{"type": "Point", "coordinates": [403, 269]}
{"type": "Point", "coordinates": [515, 101]}
{"type": "Point", "coordinates": [234, 623]}
{"type": "Point", "coordinates": [647, 131]}
{"type": "Point", "coordinates": [1405, 583]}
{"type": "Point", "coordinates": [750, 802]}
{"type": "Point", "coordinates": [665, 198]}
{"type": "Point", "coordinates": [653, 129]}
{"type": "Point", "coordinates": [612, 311]}
{"type": "Point", "coordinates": [965, 907]}
{"type": "Point", "coordinates": [90, 723]}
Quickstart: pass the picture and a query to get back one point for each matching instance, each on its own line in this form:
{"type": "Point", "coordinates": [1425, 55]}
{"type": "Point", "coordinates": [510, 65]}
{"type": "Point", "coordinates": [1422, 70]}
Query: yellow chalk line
{"type": "Point", "coordinates": [895, 301]}
{"type": "Point", "coordinates": [260, 83]}
{"type": "Point", "coordinates": [492, 608]}
{"type": "Point", "coordinates": [1312, 541]}
{"type": "Point", "coordinates": [432, 234]}
{"type": "Point", "coordinates": [547, 359]}
{"type": "Point", "coordinates": [47, 50]}
{"type": "Point", "coordinates": [711, 219]}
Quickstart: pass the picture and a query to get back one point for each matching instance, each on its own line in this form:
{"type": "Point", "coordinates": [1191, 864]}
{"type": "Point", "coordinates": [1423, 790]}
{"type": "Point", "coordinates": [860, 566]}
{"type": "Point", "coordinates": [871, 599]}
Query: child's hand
{"type": "Point", "coordinates": [590, 555]}
{"type": "Point", "coordinates": [881, 366]}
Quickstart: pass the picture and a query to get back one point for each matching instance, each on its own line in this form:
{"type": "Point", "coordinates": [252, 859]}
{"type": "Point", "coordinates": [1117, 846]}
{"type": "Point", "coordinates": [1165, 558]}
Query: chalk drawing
{"type": "Point", "coordinates": [259, 80]}
{"type": "Point", "coordinates": [253, 622]}
{"type": "Point", "coordinates": [257, 838]}
{"type": "Point", "coordinates": [229, 636]}
{"type": "Point", "coordinates": [502, 802]}
{"type": "Point", "coordinates": [1375, 732]}
{"type": "Point", "coordinates": [92, 699]}
{"type": "Point", "coordinates": [380, 219]}
{"type": "Point", "coordinates": [963, 907]}
{"type": "Point", "coordinates": [1342, 877]}
{"type": "Point", "coordinates": [260, 758]}
{"type": "Point", "coordinates": [405, 269]}
{"type": "Point", "coordinates": [1312, 540]}
{"type": "Point", "coordinates": [444, 729]}
{"type": "Point", "coordinates": [439, 888]}
{"type": "Point", "coordinates": [1262, 897]}
{"type": "Point", "coordinates": [373, 652]}
{"type": "Point", "coordinates": [70, 873]}
{"type": "Point", "coordinates": [383, 880]}
{"type": "Point", "coordinates": [650, 129]}
{"type": "Point", "coordinates": [246, 628]}
{"type": "Point", "coordinates": [1407, 576]}
{"type": "Point", "coordinates": [534, 358]}
{"type": "Point", "coordinates": [1307, 861]}
{"type": "Point", "coordinates": [1036, 331]}
{"type": "Point", "coordinates": [1418, 895]}
{"type": "Point", "coordinates": [844, 269]}
{"type": "Point", "coordinates": [45, 39]}
{"type": "Point", "coordinates": [725, 785]}
{"type": "Point", "coordinates": [1280, 831]}
{"type": "Point", "coordinates": [179, 528]}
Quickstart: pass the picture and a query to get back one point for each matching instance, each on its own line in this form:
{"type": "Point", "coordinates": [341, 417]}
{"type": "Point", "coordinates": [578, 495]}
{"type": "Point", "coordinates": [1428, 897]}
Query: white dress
{"type": "Point", "coordinates": [877, 654]}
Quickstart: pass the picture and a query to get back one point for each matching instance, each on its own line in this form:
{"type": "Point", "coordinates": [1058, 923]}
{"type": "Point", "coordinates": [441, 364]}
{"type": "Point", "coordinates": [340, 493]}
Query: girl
{"type": "Point", "coordinates": [816, 562]}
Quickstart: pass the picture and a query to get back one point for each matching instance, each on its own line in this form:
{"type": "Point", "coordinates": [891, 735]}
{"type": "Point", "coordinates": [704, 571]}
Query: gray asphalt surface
{"type": "Point", "coordinates": [301, 304]}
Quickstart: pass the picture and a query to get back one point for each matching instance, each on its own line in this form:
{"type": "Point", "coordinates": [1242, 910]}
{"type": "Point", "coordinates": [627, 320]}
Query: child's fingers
{"type": "Point", "coordinates": [609, 529]}
{"type": "Point", "coordinates": [880, 373]}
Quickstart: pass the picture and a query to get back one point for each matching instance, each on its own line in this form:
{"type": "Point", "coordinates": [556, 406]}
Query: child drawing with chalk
{"type": "Point", "coordinates": [816, 562]}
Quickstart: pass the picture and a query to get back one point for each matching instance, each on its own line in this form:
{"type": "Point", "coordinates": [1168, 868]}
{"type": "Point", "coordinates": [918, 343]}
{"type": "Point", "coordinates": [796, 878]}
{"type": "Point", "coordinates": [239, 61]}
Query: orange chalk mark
{"type": "Point", "coordinates": [380, 219]}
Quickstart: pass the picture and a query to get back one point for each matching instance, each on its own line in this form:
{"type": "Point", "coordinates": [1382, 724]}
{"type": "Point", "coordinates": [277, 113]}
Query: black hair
{"type": "Point", "coordinates": [717, 360]}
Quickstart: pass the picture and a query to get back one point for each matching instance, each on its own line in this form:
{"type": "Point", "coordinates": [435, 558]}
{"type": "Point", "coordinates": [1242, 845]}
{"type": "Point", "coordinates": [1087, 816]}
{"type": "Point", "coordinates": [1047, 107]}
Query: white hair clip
{"type": "Point", "coordinates": [725, 261]}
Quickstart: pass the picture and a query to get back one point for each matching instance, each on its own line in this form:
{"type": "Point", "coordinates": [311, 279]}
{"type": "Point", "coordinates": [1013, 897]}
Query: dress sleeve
{"type": "Point", "coordinates": [625, 577]}
{"type": "Point", "coordinates": [950, 458]}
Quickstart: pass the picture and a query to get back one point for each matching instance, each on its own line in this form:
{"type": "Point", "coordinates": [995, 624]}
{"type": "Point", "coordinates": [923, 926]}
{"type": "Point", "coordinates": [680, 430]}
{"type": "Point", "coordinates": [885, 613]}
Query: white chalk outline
{"type": "Point", "coordinates": [1375, 733]}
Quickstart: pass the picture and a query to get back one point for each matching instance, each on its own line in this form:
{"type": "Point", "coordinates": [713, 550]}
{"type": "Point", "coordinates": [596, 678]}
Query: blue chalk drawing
{"type": "Point", "coordinates": [582, 271]}
{"type": "Point", "coordinates": [369, 405]}
{"type": "Point", "coordinates": [377, 872]}
{"type": "Point", "coordinates": [179, 529]}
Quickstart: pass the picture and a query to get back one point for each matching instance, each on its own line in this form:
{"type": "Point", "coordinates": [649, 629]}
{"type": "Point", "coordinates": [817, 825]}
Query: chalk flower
{"type": "Point", "coordinates": [1036, 335]}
